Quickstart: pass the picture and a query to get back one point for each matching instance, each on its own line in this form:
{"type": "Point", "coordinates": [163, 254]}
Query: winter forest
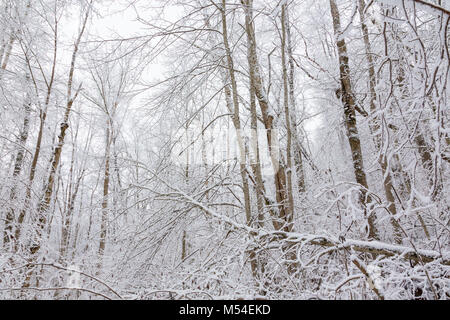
{"type": "Point", "coordinates": [225, 149]}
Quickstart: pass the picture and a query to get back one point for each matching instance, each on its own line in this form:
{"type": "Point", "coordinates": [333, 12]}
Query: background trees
{"type": "Point", "coordinates": [224, 149]}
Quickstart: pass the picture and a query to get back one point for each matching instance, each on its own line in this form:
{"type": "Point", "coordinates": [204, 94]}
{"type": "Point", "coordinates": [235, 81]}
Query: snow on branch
{"type": "Point", "coordinates": [432, 6]}
{"type": "Point", "coordinates": [372, 247]}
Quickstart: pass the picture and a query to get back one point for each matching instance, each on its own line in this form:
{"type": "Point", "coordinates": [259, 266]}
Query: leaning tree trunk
{"type": "Point", "coordinates": [346, 95]}
{"type": "Point", "coordinates": [233, 96]}
{"type": "Point", "coordinates": [283, 220]}
{"type": "Point", "coordinates": [56, 156]}
{"type": "Point", "coordinates": [6, 52]}
{"type": "Point", "coordinates": [37, 149]}
{"type": "Point", "coordinates": [44, 204]}
{"type": "Point", "coordinates": [18, 164]}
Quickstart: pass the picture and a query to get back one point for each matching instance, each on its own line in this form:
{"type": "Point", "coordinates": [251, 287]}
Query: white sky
{"type": "Point", "coordinates": [113, 20]}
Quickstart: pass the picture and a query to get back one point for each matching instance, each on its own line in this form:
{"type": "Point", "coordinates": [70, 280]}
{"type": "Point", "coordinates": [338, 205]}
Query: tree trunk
{"type": "Point", "coordinates": [375, 127]}
{"type": "Point", "coordinates": [233, 95]}
{"type": "Point", "coordinates": [290, 208]}
{"type": "Point", "coordinates": [37, 149]}
{"type": "Point", "coordinates": [8, 52]}
{"type": "Point", "coordinates": [298, 158]}
{"type": "Point", "coordinates": [346, 95]}
{"type": "Point", "coordinates": [43, 206]}
{"type": "Point", "coordinates": [18, 164]}
{"type": "Point", "coordinates": [56, 157]}
{"type": "Point", "coordinates": [283, 220]}
{"type": "Point", "coordinates": [104, 220]}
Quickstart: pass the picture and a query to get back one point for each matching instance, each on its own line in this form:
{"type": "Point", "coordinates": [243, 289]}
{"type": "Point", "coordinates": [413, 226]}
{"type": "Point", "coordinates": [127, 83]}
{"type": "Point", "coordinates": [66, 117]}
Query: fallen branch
{"type": "Point", "coordinates": [434, 6]}
{"type": "Point", "coordinates": [372, 247]}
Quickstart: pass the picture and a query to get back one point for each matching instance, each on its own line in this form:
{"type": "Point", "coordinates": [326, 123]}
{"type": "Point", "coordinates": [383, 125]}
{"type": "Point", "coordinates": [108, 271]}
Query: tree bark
{"type": "Point", "coordinates": [37, 149]}
{"type": "Point", "coordinates": [233, 96]}
{"type": "Point", "coordinates": [298, 157]}
{"type": "Point", "coordinates": [292, 267]}
{"type": "Point", "coordinates": [346, 95]}
{"type": "Point", "coordinates": [283, 220]}
{"type": "Point", "coordinates": [104, 220]}
{"type": "Point", "coordinates": [375, 127]}
{"type": "Point", "coordinates": [290, 206]}
{"type": "Point", "coordinates": [18, 164]}
{"type": "Point", "coordinates": [42, 210]}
